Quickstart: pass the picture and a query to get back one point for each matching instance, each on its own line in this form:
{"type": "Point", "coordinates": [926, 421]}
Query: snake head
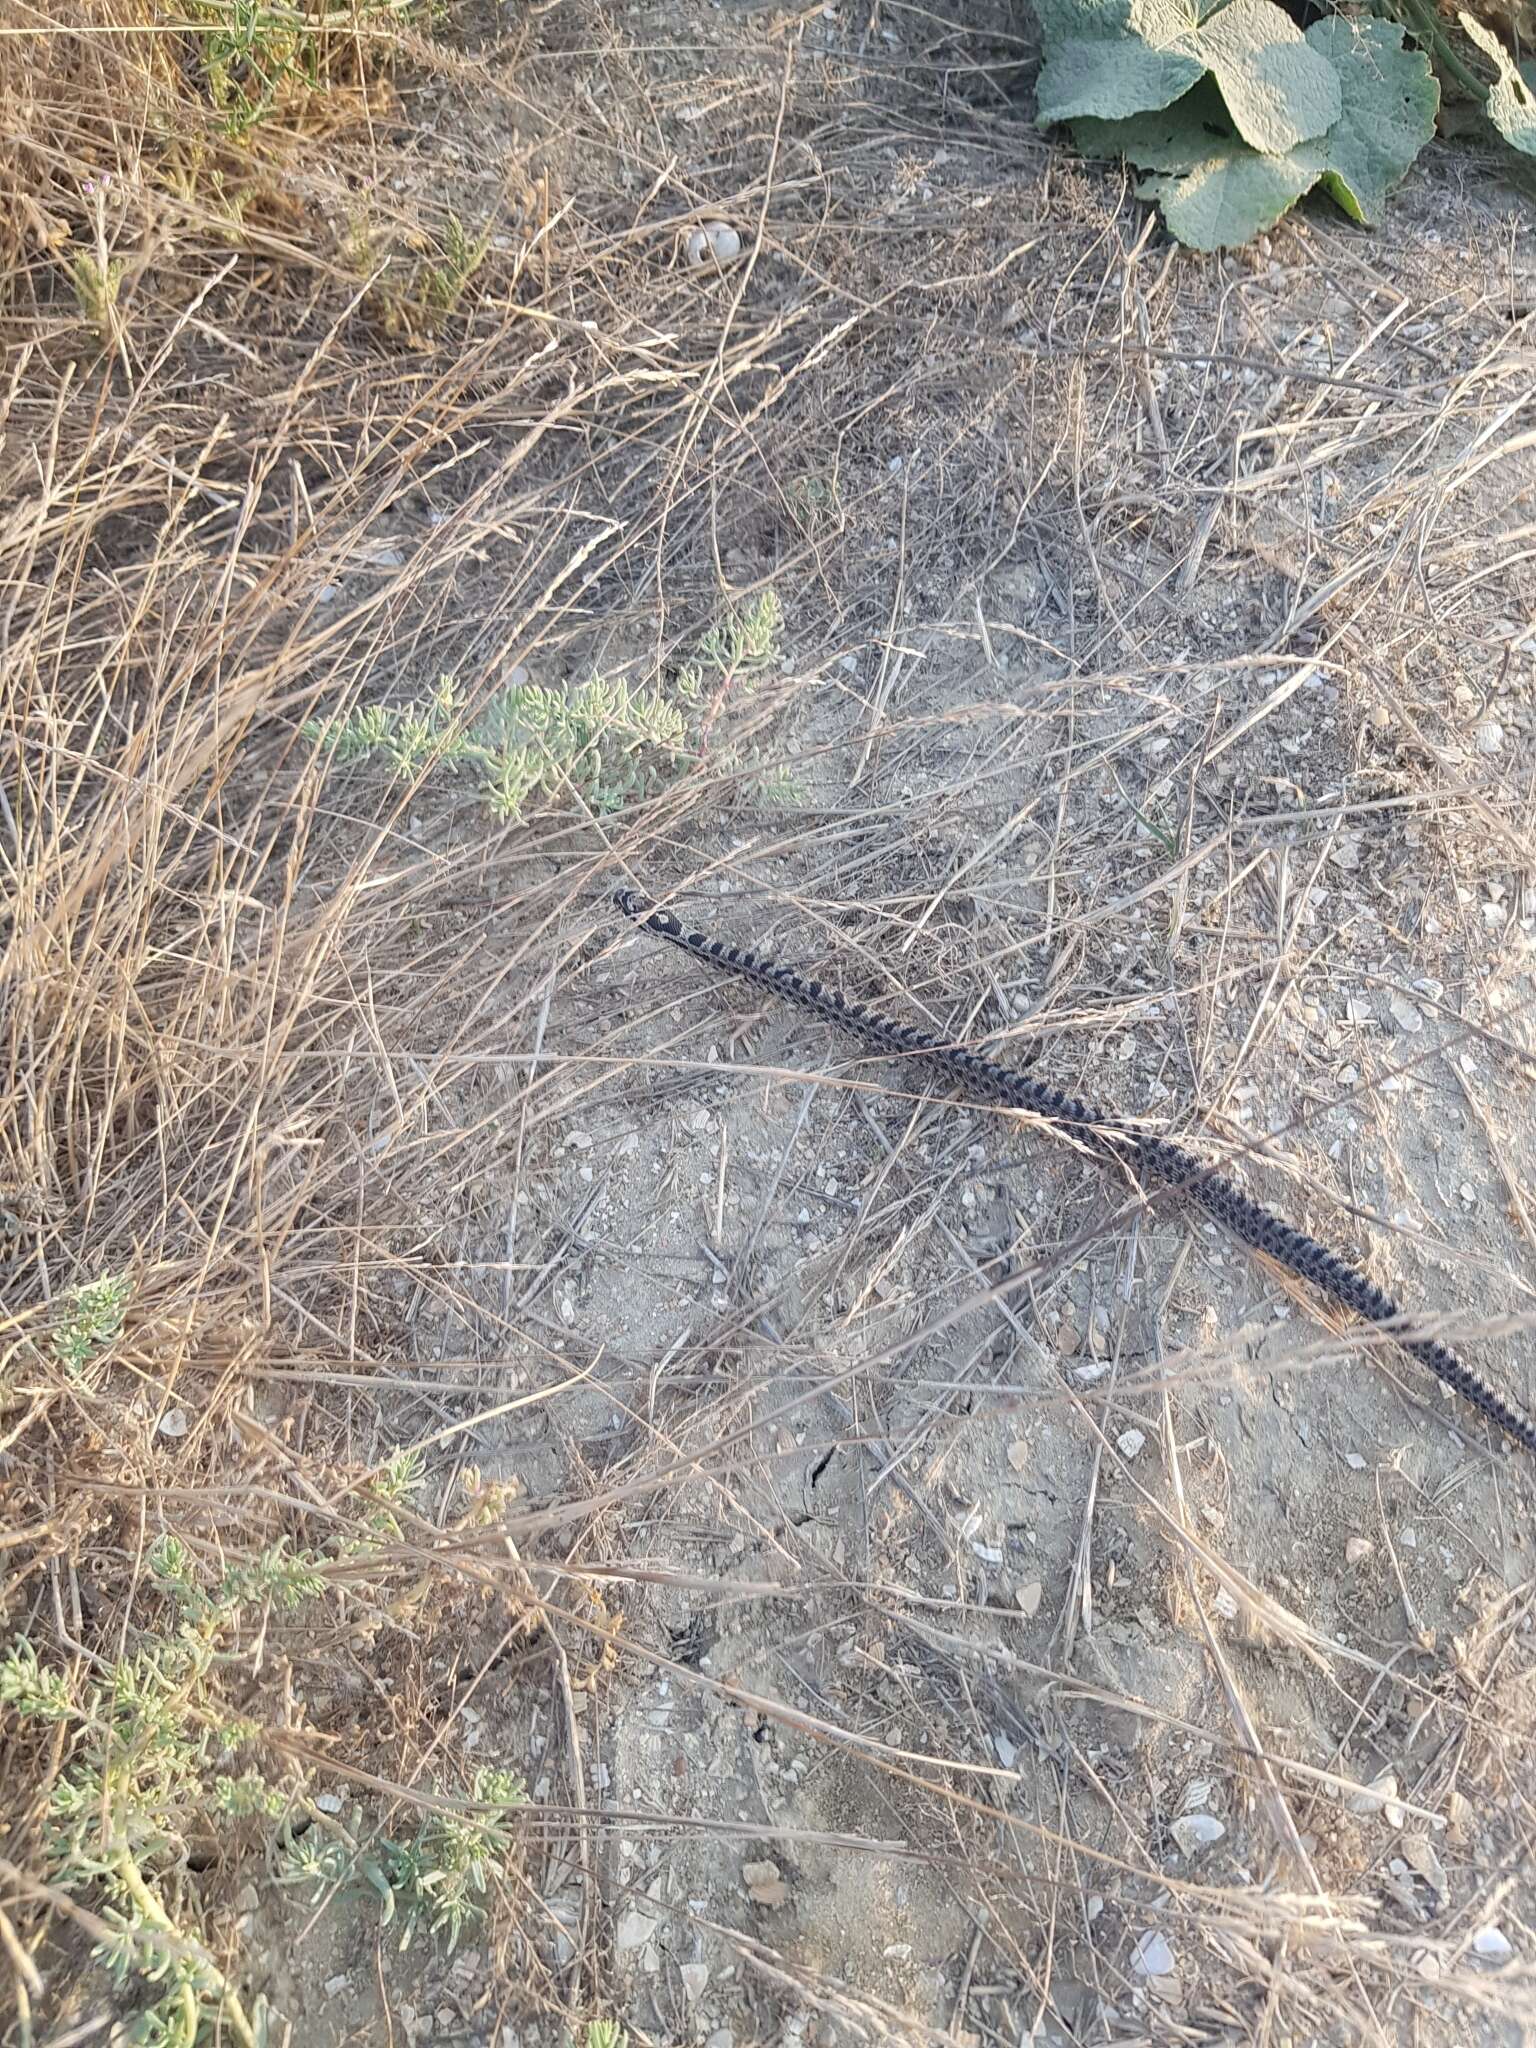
{"type": "Point", "coordinates": [644, 912]}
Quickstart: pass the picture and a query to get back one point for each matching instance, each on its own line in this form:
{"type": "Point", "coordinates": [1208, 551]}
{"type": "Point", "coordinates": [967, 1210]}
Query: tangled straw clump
{"type": "Point", "coordinates": [144, 142]}
{"type": "Point", "coordinates": [213, 555]}
{"type": "Point", "coordinates": [189, 455]}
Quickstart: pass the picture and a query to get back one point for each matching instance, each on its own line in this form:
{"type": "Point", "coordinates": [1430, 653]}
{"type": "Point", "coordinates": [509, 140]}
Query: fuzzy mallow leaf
{"type": "Point", "coordinates": [1174, 139]}
{"type": "Point", "coordinates": [1109, 59]}
{"type": "Point", "coordinates": [1511, 98]}
{"type": "Point", "coordinates": [1390, 101]}
{"type": "Point", "coordinates": [1278, 89]}
{"type": "Point", "coordinates": [1216, 192]}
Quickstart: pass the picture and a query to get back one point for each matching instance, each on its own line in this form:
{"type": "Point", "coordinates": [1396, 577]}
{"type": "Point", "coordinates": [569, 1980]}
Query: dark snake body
{"type": "Point", "coordinates": [1153, 1159]}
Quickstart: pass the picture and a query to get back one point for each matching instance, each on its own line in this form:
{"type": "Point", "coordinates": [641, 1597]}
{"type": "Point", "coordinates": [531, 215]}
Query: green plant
{"type": "Point", "coordinates": [95, 274]}
{"type": "Point", "coordinates": [399, 1476]}
{"type": "Point", "coordinates": [90, 1317]}
{"type": "Point", "coordinates": [258, 55]}
{"type": "Point", "coordinates": [97, 283]}
{"type": "Point", "coordinates": [813, 501]}
{"type": "Point", "coordinates": [439, 1878]}
{"type": "Point", "coordinates": [442, 1875]}
{"type": "Point", "coordinates": [747, 637]}
{"type": "Point", "coordinates": [154, 1750]}
{"type": "Point", "coordinates": [250, 52]}
{"type": "Point", "coordinates": [778, 787]}
{"type": "Point", "coordinates": [606, 2034]}
{"type": "Point", "coordinates": [444, 282]}
{"type": "Point", "coordinates": [605, 741]}
{"type": "Point", "coordinates": [146, 1743]}
{"type": "Point", "coordinates": [1510, 102]}
{"type": "Point", "coordinates": [736, 648]}
{"type": "Point", "coordinates": [415, 304]}
{"type": "Point", "coordinates": [1232, 114]}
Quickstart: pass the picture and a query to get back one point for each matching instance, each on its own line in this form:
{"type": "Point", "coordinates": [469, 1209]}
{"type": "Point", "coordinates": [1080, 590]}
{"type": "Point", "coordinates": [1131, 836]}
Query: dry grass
{"type": "Point", "coordinates": [202, 955]}
{"type": "Point", "coordinates": [292, 1051]}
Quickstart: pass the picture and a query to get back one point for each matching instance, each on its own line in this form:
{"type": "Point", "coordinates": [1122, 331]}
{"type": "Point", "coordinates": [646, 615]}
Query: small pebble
{"type": "Point", "coordinates": [1380, 1796]}
{"type": "Point", "coordinates": [1130, 1442]}
{"type": "Point", "coordinates": [633, 1930]}
{"type": "Point", "coordinates": [1152, 1957]}
{"type": "Point", "coordinates": [1194, 1831]}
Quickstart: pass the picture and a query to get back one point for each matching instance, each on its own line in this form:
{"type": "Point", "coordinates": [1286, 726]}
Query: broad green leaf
{"type": "Point", "coordinates": [1216, 192]}
{"type": "Point", "coordinates": [1278, 90]}
{"type": "Point", "coordinates": [1390, 100]}
{"type": "Point", "coordinates": [1511, 100]}
{"type": "Point", "coordinates": [1112, 58]}
{"type": "Point", "coordinates": [1176, 138]}
{"type": "Point", "coordinates": [1232, 195]}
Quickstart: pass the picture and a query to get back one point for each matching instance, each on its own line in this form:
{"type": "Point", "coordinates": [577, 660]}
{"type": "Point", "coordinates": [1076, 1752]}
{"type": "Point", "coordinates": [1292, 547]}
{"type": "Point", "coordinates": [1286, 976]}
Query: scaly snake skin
{"type": "Point", "coordinates": [1153, 1159]}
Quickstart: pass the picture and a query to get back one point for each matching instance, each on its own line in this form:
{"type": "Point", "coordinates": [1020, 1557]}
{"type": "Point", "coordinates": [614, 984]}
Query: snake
{"type": "Point", "coordinates": [1113, 1141]}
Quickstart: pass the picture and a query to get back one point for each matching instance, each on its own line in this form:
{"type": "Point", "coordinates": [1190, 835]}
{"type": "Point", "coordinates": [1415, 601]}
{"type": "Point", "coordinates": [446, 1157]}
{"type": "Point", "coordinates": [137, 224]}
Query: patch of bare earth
{"type": "Point", "coordinates": [937, 1590]}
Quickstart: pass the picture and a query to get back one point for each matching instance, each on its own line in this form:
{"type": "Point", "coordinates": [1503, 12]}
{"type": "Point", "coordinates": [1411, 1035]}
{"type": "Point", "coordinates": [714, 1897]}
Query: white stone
{"type": "Point", "coordinates": [1152, 1957]}
{"type": "Point", "coordinates": [633, 1931]}
{"type": "Point", "coordinates": [1194, 1831]}
{"type": "Point", "coordinates": [1377, 1797]}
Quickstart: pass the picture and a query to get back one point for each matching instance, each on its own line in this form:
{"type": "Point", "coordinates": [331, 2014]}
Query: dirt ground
{"type": "Point", "coordinates": [967, 1599]}
{"type": "Point", "coordinates": [1039, 1622]}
